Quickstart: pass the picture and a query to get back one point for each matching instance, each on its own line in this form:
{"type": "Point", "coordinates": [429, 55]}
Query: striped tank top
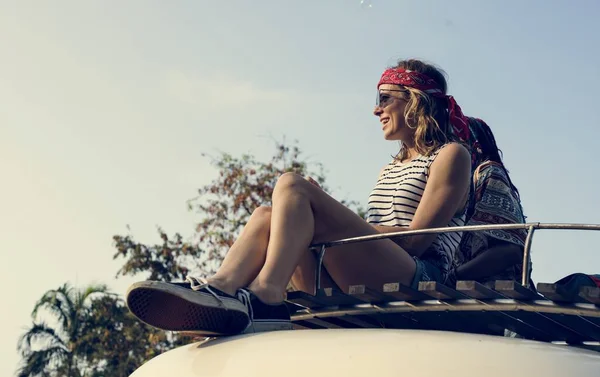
{"type": "Point", "coordinates": [394, 201]}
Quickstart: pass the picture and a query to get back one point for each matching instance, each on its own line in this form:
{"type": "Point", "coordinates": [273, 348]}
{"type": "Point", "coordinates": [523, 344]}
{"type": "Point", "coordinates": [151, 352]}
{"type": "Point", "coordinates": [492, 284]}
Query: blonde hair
{"type": "Point", "coordinates": [425, 114]}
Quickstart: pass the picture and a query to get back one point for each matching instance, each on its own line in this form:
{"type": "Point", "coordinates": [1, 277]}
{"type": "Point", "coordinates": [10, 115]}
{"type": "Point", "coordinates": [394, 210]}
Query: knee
{"type": "Point", "coordinates": [290, 182]}
{"type": "Point", "coordinates": [262, 215]}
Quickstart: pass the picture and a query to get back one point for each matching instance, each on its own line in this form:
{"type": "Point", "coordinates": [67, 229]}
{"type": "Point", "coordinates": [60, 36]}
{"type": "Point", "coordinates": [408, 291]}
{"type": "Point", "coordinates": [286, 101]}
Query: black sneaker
{"type": "Point", "coordinates": [264, 317]}
{"type": "Point", "coordinates": [192, 306]}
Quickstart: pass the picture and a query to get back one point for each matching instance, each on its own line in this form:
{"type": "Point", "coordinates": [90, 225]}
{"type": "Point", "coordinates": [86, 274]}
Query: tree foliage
{"type": "Point", "coordinates": [224, 205]}
{"type": "Point", "coordinates": [114, 343]}
{"type": "Point", "coordinates": [90, 332]}
{"type": "Point", "coordinates": [52, 349]}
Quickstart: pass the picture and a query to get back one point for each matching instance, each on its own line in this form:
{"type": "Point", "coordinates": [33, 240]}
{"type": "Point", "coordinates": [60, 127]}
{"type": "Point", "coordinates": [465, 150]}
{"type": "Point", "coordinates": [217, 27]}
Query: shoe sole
{"type": "Point", "coordinates": [256, 327]}
{"type": "Point", "coordinates": [263, 326]}
{"type": "Point", "coordinates": [173, 308]}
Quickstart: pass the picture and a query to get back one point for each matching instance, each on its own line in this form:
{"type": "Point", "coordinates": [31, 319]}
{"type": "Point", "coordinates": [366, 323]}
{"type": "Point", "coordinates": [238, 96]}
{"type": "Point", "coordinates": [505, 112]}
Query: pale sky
{"type": "Point", "coordinates": [106, 107]}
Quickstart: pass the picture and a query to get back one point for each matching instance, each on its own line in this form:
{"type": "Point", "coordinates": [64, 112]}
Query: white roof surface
{"type": "Point", "coordinates": [372, 352]}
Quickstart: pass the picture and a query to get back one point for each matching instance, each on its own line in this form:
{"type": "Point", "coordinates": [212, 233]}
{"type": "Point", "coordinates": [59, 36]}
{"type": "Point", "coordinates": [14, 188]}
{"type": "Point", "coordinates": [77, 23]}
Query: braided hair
{"type": "Point", "coordinates": [486, 149]}
{"type": "Point", "coordinates": [483, 145]}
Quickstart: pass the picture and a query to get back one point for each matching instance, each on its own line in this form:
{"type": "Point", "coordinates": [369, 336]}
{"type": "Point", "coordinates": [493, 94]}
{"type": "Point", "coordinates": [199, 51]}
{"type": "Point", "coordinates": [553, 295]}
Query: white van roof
{"type": "Point", "coordinates": [372, 352]}
{"type": "Point", "coordinates": [395, 330]}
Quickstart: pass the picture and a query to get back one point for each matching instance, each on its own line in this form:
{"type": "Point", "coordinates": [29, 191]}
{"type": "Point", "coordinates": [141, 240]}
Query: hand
{"type": "Point", "coordinates": [313, 182]}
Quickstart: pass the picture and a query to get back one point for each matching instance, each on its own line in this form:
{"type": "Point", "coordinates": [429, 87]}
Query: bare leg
{"type": "Point", "coordinates": [304, 275]}
{"type": "Point", "coordinates": [267, 255]}
{"type": "Point", "coordinates": [303, 213]}
{"type": "Point", "coordinates": [246, 256]}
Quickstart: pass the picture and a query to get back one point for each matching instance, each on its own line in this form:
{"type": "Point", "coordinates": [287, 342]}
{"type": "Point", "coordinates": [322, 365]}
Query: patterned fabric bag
{"type": "Point", "coordinates": [493, 201]}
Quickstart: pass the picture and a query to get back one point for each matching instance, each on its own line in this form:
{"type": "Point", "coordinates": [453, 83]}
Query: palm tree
{"type": "Point", "coordinates": [48, 350]}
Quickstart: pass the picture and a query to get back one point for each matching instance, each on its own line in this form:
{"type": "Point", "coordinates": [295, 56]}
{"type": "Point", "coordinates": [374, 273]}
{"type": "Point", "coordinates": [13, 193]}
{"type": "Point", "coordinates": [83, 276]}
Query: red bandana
{"type": "Point", "coordinates": [412, 79]}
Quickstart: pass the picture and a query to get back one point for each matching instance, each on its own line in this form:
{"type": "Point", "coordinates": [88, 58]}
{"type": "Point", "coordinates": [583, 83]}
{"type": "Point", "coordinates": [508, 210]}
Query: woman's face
{"type": "Point", "coordinates": [390, 109]}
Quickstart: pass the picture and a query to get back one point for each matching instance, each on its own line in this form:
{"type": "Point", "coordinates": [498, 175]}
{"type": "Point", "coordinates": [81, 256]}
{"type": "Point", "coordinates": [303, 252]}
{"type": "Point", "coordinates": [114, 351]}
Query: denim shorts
{"type": "Point", "coordinates": [425, 271]}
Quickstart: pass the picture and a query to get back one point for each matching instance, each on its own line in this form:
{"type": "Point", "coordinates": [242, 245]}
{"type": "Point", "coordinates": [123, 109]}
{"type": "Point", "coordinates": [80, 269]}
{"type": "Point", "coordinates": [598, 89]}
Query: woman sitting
{"type": "Point", "coordinates": [491, 255]}
{"type": "Point", "coordinates": [426, 185]}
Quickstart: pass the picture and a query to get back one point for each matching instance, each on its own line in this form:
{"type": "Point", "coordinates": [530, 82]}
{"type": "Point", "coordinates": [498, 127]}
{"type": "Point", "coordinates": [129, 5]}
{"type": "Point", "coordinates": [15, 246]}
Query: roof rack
{"type": "Point", "coordinates": [549, 315]}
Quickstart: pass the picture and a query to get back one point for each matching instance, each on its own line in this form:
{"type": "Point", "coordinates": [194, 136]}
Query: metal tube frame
{"type": "Point", "coordinates": [531, 228]}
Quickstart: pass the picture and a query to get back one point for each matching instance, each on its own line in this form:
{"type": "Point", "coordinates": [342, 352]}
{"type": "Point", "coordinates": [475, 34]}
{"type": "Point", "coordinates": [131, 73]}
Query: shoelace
{"type": "Point", "coordinates": [245, 297]}
{"type": "Point", "coordinates": [197, 284]}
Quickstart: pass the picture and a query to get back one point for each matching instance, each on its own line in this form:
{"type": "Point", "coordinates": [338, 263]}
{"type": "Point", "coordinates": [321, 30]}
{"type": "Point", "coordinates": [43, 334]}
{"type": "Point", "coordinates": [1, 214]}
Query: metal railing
{"type": "Point", "coordinates": [531, 228]}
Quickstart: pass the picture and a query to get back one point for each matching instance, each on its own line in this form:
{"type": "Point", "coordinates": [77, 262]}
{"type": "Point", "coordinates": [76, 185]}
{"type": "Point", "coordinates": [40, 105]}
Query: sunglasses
{"type": "Point", "coordinates": [384, 99]}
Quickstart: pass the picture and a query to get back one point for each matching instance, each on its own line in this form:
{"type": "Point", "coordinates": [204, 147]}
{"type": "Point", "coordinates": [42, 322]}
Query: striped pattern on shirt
{"type": "Point", "coordinates": [394, 201]}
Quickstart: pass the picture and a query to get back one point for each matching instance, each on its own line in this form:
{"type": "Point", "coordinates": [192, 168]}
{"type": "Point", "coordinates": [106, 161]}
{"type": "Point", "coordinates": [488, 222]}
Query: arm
{"type": "Point", "coordinates": [492, 261]}
{"type": "Point", "coordinates": [445, 194]}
